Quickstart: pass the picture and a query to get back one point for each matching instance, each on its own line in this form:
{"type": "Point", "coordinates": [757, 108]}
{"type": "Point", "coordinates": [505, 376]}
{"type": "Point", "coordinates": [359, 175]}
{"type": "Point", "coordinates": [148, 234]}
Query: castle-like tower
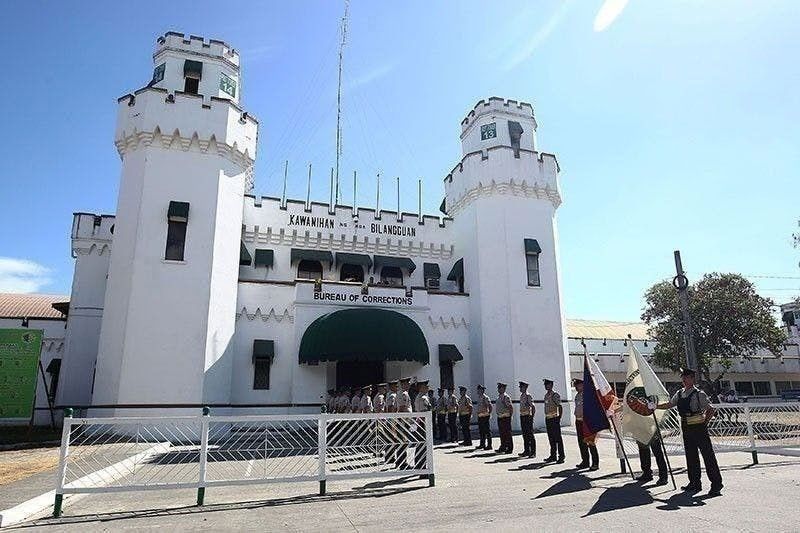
{"type": "Point", "coordinates": [187, 152]}
{"type": "Point", "coordinates": [503, 197]}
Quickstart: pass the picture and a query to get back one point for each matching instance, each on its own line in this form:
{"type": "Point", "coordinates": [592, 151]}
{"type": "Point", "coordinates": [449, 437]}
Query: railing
{"type": "Point", "coordinates": [124, 454]}
{"type": "Point", "coordinates": [742, 427]}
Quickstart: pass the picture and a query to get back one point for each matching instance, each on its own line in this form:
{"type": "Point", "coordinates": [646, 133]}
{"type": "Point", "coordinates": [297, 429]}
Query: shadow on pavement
{"type": "Point", "coordinates": [501, 460]}
{"type": "Point", "coordinates": [68, 520]}
{"type": "Point", "coordinates": [624, 497]}
{"type": "Point", "coordinates": [574, 483]}
{"type": "Point", "coordinates": [480, 455]}
{"type": "Point", "coordinates": [681, 499]}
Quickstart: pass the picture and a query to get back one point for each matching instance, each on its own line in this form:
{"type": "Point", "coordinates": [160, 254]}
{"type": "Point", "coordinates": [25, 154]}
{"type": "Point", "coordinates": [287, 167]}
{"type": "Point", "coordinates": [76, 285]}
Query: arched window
{"type": "Point", "coordinates": [308, 269]}
{"type": "Point", "coordinates": [391, 275]}
{"type": "Point", "coordinates": [350, 272]}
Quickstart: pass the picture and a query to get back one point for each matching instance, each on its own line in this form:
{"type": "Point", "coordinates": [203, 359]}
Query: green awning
{"type": "Point", "coordinates": [431, 270]}
{"type": "Point", "coordinates": [364, 335]}
{"type": "Point", "coordinates": [532, 246]}
{"type": "Point", "coordinates": [193, 69]}
{"type": "Point", "coordinates": [353, 259]}
{"type": "Point", "coordinates": [264, 257]}
{"type": "Point", "coordinates": [244, 256]}
{"type": "Point", "coordinates": [263, 349]}
{"type": "Point", "coordinates": [399, 262]}
{"type": "Point", "coordinates": [178, 211]}
{"type": "Point", "coordinates": [448, 353]}
{"type": "Point", "coordinates": [53, 366]}
{"type": "Point", "coordinates": [323, 256]}
{"type": "Point", "coordinates": [457, 271]}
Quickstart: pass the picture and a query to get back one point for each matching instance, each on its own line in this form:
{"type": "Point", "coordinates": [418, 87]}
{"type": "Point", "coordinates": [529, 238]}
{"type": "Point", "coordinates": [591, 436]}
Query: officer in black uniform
{"type": "Point", "coordinates": [645, 461]}
{"type": "Point", "coordinates": [695, 410]}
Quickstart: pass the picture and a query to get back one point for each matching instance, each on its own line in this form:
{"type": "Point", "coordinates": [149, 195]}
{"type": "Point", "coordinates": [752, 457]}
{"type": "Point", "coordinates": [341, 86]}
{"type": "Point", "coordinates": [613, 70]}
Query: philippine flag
{"type": "Point", "coordinates": [598, 399]}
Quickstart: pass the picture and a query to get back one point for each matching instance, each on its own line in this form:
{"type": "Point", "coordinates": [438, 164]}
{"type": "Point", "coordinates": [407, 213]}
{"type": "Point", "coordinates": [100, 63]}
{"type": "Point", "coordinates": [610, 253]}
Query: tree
{"type": "Point", "coordinates": [729, 319]}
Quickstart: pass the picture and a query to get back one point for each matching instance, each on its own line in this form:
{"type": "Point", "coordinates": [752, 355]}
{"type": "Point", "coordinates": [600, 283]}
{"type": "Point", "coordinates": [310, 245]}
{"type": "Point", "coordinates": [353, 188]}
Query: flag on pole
{"type": "Point", "coordinates": [594, 412]}
{"type": "Point", "coordinates": [641, 383]}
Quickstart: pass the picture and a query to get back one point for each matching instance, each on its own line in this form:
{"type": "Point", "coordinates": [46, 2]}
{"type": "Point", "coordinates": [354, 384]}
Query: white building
{"type": "Point", "coordinates": [196, 292]}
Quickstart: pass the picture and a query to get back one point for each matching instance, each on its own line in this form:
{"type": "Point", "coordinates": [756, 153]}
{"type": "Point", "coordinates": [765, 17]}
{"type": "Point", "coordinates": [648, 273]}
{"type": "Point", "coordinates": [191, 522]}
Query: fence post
{"type": "Point", "coordinates": [751, 433]}
{"type": "Point", "coordinates": [201, 490]}
{"type": "Point", "coordinates": [429, 447]}
{"type": "Point", "coordinates": [322, 446]}
{"type": "Point", "coordinates": [62, 462]}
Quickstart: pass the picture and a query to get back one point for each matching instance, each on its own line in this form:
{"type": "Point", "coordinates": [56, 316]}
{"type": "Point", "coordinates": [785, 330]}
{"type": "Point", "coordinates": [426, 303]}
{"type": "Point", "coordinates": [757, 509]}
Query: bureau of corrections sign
{"type": "Point", "coordinates": [19, 366]}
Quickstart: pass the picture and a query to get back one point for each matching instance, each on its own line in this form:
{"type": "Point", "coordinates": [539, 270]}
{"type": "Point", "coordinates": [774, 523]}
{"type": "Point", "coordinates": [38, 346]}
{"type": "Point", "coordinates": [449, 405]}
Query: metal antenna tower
{"type": "Point", "coordinates": [339, 97]}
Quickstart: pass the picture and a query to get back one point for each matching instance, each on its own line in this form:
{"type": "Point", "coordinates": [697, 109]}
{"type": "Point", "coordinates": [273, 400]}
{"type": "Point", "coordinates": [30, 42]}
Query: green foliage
{"type": "Point", "coordinates": [729, 319]}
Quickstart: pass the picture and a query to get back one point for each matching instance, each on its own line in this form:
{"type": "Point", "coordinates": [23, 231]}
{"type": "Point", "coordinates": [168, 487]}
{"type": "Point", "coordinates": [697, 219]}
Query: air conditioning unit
{"type": "Point", "coordinates": [432, 283]}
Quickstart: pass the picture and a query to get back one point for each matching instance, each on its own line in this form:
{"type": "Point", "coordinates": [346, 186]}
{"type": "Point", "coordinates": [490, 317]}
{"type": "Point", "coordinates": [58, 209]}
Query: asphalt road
{"type": "Point", "coordinates": [475, 490]}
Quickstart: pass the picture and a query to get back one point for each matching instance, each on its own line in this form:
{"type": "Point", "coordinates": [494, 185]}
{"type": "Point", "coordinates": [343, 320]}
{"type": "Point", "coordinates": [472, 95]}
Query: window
{"type": "Point", "coordinates": [532, 263]}
{"type": "Point", "coordinates": [54, 369]}
{"type": "Point", "coordinates": [176, 240]}
{"type": "Point", "coordinates": [781, 386]}
{"type": "Point", "coordinates": [744, 388]}
{"type": "Point", "coordinates": [446, 374]}
{"type": "Point", "coordinates": [307, 269]}
{"type": "Point", "coordinates": [532, 251]}
{"type": "Point", "coordinates": [350, 272]}
{"type": "Point", "coordinates": [762, 388]}
{"type": "Point", "coordinates": [261, 373]}
{"type": "Point", "coordinates": [191, 85]}
{"type": "Point", "coordinates": [192, 73]}
{"type": "Point", "coordinates": [177, 218]}
{"type": "Point", "coordinates": [391, 275]}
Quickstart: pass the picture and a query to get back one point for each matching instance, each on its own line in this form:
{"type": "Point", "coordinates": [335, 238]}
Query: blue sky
{"type": "Point", "coordinates": [675, 123]}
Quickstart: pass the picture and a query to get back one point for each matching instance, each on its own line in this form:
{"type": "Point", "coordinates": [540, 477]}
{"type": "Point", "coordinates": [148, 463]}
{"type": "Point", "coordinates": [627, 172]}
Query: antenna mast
{"type": "Point", "coordinates": [339, 97]}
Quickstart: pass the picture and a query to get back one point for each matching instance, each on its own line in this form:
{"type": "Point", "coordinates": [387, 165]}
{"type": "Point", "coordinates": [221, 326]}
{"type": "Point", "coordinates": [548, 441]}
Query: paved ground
{"type": "Point", "coordinates": [25, 474]}
{"type": "Point", "coordinates": [474, 491]}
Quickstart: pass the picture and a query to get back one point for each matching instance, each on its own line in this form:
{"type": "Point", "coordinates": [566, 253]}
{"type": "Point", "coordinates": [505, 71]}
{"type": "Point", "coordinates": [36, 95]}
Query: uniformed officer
{"type": "Point", "coordinates": [465, 416]}
{"type": "Point", "coordinates": [422, 404]}
{"type": "Point", "coordinates": [366, 399]}
{"type": "Point", "coordinates": [505, 411]}
{"type": "Point", "coordinates": [391, 398]}
{"type": "Point", "coordinates": [552, 420]}
{"type": "Point", "coordinates": [526, 412]}
{"type": "Point", "coordinates": [644, 459]}
{"type": "Point", "coordinates": [355, 403]}
{"type": "Point", "coordinates": [586, 443]}
{"type": "Point", "coordinates": [404, 405]}
{"type": "Point", "coordinates": [330, 402]}
{"type": "Point", "coordinates": [452, 413]}
{"type": "Point", "coordinates": [379, 401]}
{"type": "Point", "coordinates": [695, 411]}
{"type": "Point", "coordinates": [484, 414]}
{"type": "Point", "coordinates": [432, 401]}
{"type": "Point", "coordinates": [343, 403]}
{"type": "Point", "coordinates": [441, 415]}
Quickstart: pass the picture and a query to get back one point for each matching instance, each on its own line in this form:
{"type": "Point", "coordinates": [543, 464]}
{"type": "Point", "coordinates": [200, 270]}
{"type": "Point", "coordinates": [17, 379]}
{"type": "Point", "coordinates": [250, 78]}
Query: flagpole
{"type": "Point", "coordinates": [610, 419]}
{"type": "Point", "coordinates": [664, 451]}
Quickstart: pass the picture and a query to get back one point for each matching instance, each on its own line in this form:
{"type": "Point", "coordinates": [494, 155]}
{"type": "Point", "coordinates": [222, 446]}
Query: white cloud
{"type": "Point", "coordinates": [608, 13]}
{"type": "Point", "coordinates": [522, 53]}
{"type": "Point", "coordinates": [21, 275]}
{"type": "Point", "coordinates": [370, 76]}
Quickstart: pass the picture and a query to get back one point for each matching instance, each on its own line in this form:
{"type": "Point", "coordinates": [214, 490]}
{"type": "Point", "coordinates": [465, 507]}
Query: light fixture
{"type": "Point", "coordinates": [645, 343]}
{"type": "Point", "coordinates": [604, 342]}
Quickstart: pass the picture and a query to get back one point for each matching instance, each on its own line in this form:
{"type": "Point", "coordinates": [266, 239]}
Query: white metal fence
{"type": "Point", "coordinates": [739, 427]}
{"type": "Point", "coordinates": [123, 454]}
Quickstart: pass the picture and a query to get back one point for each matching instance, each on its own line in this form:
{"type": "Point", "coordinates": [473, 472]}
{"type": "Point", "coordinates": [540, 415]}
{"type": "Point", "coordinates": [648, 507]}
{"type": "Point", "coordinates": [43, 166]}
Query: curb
{"type": "Point", "coordinates": [23, 511]}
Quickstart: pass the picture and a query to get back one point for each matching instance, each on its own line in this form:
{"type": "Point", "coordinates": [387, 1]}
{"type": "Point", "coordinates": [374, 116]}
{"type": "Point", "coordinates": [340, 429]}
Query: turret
{"type": "Point", "coordinates": [503, 197]}
{"type": "Point", "coordinates": [187, 152]}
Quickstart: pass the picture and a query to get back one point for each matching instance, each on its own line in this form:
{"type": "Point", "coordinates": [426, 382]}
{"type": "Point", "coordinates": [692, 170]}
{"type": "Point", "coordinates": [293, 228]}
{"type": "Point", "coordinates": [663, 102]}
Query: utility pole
{"type": "Point", "coordinates": [681, 284]}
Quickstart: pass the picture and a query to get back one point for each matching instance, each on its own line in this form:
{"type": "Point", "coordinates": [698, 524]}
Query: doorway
{"type": "Point", "coordinates": [359, 373]}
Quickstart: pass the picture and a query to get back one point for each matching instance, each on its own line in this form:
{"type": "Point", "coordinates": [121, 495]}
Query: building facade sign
{"type": "Point", "coordinates": [363, 299]}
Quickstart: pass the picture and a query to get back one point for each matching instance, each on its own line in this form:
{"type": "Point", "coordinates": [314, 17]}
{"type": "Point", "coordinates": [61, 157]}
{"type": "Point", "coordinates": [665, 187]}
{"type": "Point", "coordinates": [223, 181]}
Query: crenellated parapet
{"type": "Point", "coordinates": [493, 105]}
{"type": "Point", "coordinates": [92, 234]}
{"type": "Point", "coordinates": [498, 171]}
{"type": "Point", "coordinates": [196, 45]}
{"type": "Point", "coordinates": [342, 229]}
